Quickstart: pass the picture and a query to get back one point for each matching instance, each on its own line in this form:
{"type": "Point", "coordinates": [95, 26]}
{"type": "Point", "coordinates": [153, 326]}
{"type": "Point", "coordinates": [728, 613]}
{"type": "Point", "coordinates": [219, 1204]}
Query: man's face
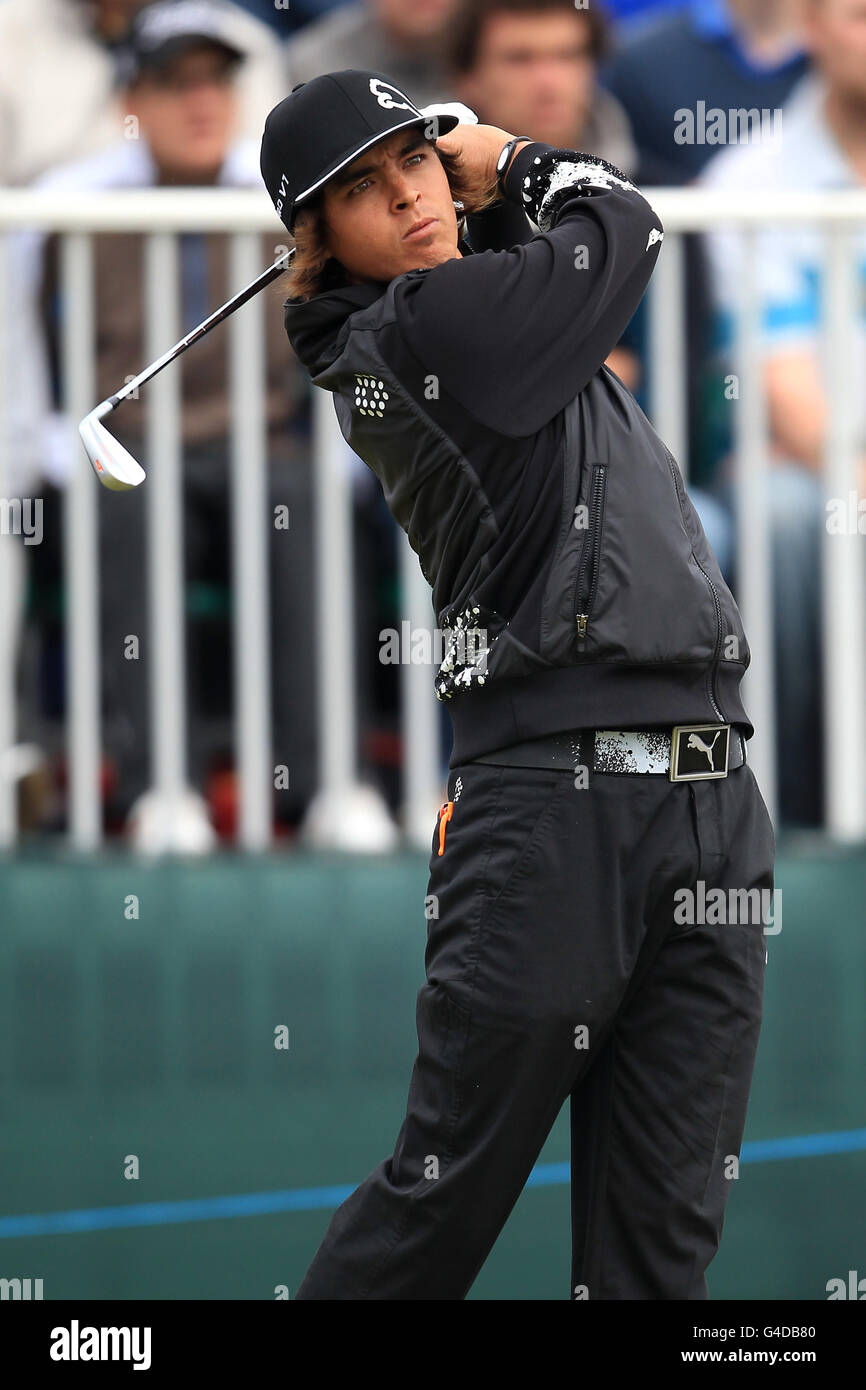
{"type": "Point", "coordinates": [187, 110]}
{"type": "Point", "coordinates": [371, 205]}
{"type": "Point", "coordinates": [836, 31]}
{"type": "Point", "coordinates": [534, 75]}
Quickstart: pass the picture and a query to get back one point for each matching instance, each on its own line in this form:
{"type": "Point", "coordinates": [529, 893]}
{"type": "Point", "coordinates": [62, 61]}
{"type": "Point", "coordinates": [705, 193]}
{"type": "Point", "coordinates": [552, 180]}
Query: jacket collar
{"type": "Point", "coordinates": [314, 326]}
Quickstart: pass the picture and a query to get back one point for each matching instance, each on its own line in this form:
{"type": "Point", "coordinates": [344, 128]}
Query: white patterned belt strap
{"type": "Point", "coordinates": [683, 753]}
{"type": "Point", "coordinates": [687, 753]}
{"type": "Point", "coordinates": [631, 750]}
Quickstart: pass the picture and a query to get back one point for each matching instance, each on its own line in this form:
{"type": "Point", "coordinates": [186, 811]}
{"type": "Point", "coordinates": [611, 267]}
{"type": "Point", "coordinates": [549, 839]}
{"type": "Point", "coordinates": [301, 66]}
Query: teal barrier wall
{"type": "Point", "coordinates": [153, 1036]}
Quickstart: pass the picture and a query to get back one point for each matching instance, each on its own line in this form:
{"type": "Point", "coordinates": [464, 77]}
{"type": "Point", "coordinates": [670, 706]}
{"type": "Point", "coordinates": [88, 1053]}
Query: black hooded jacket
{"type": "Point", "coordinates": [571, 575]}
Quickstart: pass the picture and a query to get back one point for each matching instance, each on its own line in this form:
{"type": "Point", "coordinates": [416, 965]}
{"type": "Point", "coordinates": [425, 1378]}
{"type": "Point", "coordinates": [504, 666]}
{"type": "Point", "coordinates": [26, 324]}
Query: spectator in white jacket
{"type": "Point", "coordinates": [59, 99]}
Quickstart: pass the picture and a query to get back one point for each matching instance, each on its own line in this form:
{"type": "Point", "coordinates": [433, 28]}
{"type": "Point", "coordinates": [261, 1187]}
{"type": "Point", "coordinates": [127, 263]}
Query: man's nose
{"type": "Point", "coordinates": [403, 190]}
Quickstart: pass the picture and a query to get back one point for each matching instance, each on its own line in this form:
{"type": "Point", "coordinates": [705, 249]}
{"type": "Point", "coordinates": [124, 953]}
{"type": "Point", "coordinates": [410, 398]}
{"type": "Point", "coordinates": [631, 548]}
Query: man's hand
{"type": "Point", "coordinates": [479, 146]}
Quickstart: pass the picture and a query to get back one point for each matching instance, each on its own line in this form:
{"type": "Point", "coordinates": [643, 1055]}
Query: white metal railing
{"type": "Point", "coordinates": [163, 214]}
{"type": "Point", "coordinates": [80, 550]}
{"type": "Point", "coordinates": [838, 213]}
{"type": "Point", "coordinates": [753, 540]}
{"type": "Point", "coordinates": [9, 597]}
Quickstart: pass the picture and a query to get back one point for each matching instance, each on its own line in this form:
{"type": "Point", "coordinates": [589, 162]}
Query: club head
{"type": "Point", "coordinates": [113, 465]}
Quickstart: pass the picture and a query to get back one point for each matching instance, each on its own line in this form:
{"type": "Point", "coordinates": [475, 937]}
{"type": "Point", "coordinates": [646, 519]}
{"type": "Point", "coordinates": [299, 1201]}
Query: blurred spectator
{"type": "Point", "coordinates": [181, 66]}
{"type": "Point", "coordinates": [823, 147]}
{"type": "Point", "coordinates": [530, 67]}
{"type": "Point", "coordinates": [287, 15]}
{"type": "Point", "coordinates": [679, 77]}
{"type": "Point", "coordinates": [722, 54]}
{"type": "Point", "coordinates": [58, 94]}
{"type": "Point", "coordinates": [407, 41]}
{"type": "Point", "coordinates": [56, 75]}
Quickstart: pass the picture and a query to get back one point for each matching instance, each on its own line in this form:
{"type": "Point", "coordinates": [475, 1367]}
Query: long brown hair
{"type": "Point", "coordinates": [313, 270]}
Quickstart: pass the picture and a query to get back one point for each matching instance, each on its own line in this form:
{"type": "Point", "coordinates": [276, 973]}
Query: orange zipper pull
{"type": "Point", "coordinates": [444, 817]}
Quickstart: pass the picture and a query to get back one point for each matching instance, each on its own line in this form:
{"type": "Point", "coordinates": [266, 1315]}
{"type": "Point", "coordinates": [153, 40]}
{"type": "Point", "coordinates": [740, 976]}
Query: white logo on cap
{"type": "Point", "coordinates": [381, 91]}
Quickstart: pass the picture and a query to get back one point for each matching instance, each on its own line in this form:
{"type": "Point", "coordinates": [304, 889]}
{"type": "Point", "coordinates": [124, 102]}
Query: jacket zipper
{"type": "Point", "coordinates": [591, 557]}
{"type": "Point", "coordinates": [711, 674]}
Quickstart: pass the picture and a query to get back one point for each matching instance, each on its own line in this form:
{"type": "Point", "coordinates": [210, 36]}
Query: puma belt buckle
{"type": "Point", "coordinates": [699, 751]}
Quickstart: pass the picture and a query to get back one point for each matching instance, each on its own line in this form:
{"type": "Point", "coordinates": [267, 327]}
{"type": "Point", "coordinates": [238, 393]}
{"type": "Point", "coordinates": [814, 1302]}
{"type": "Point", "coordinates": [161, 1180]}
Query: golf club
{"type": "Point", "coordinates": [114, 466]}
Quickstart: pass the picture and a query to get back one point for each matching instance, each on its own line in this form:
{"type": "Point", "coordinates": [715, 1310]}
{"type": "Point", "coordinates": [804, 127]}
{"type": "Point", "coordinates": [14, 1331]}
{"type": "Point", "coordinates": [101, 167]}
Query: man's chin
{"type": "Point", "coordinates": [406, 259]}
{"type": "Point", "coordinates": [426, 257]}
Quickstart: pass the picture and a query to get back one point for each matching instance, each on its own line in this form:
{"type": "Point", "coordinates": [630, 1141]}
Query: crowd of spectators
{"type": "Point", "coordinates": [113, 94]}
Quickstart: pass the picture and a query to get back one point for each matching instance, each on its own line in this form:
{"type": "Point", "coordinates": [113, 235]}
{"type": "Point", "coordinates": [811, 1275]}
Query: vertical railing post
{"type": "Point", "coordinates": [80, 550]}
{"type": "Point", "coordinates": [421, 773]}
{"type": "Point", "coordinates": [332, 496]}
{"type": "Point", "coordinates": [667, 354]}
{"type": "Point", "coordinates": [9, 596]}
{"type": "Point", "coordinates": [754, 557]}
{"type": "Point", "coordinates": [252, 537]}
{"type": "Point", "coordinates": [165, 524]}
{"type": "Point", "coordinates": [843, 571]}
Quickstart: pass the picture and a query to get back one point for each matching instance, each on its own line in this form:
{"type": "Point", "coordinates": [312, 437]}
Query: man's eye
{"type": "Point", "coordinates": [359, 187]}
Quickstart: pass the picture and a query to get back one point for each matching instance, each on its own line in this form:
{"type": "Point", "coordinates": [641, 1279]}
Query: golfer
{"type": "Point", "coordinates": [458, 288]}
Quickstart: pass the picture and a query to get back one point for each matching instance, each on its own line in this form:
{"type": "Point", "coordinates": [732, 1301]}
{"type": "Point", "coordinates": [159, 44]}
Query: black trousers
{"type": "Point", "coordinates": [562, 964]}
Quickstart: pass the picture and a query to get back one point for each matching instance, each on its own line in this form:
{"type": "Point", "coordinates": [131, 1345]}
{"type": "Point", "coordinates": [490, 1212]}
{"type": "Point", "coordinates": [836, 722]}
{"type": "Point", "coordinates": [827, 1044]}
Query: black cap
{"type": "Point", "coordinates": [162, 30]}
{"type": "Point", "coordinates": [326, 123]}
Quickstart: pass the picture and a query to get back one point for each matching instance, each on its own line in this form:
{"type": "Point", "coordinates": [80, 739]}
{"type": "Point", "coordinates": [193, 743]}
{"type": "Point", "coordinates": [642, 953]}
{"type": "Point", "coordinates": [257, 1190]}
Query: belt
{"type": "Point", "coordinates": [684, 753]}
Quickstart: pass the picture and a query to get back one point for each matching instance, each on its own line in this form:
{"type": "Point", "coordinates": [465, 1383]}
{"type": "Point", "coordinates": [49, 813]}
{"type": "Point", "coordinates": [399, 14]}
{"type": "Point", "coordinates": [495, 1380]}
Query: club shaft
{"type": "Point", "coordinates": [266, 277]}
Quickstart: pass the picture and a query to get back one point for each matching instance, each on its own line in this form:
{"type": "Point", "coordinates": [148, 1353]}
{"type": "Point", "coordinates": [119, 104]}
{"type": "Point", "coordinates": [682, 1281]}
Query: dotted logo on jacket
{"type": "Point", "coordinates": [370, 395]}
